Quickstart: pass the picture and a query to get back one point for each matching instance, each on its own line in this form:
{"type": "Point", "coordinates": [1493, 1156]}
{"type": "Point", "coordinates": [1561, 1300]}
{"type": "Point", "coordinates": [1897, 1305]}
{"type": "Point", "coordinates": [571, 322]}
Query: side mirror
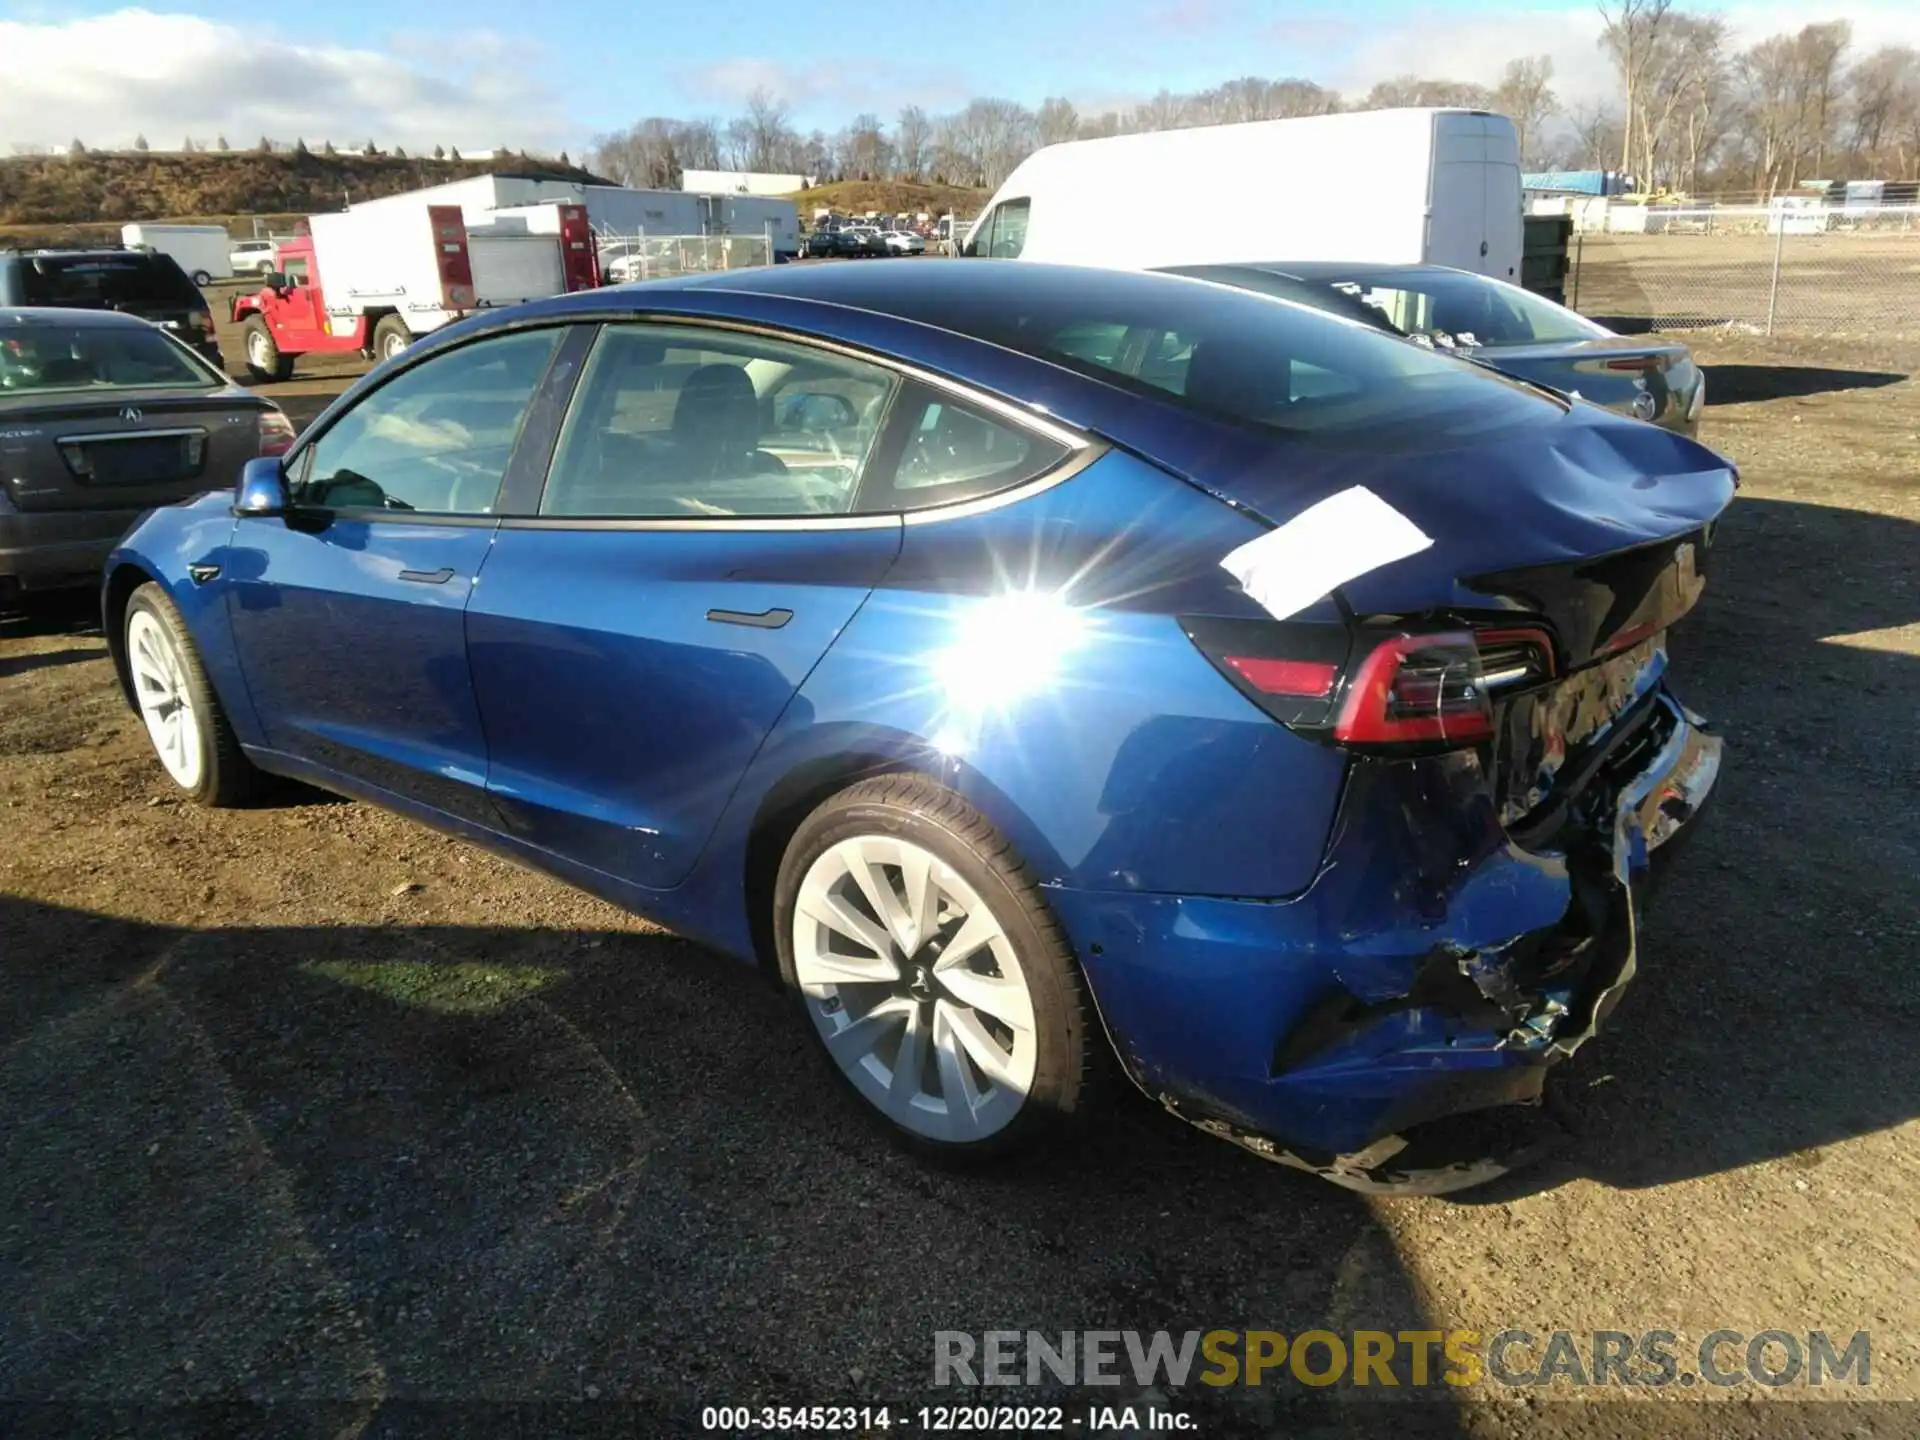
{"type": "Point", "coordinates": [815, 410]}
{"type": "Point", "coordinates": [274, 280]}
{"type": "Point", "coordinates": [262, 489]}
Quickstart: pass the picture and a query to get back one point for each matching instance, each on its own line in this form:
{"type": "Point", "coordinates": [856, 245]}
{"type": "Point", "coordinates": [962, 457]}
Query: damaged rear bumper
{"type": "Point", "coordinates": [1435, 968]}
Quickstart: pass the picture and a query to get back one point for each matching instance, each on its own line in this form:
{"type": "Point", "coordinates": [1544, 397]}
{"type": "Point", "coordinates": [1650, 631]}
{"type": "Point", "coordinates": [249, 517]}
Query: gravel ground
{"type": "Point", "coordinates": [310, 1107]}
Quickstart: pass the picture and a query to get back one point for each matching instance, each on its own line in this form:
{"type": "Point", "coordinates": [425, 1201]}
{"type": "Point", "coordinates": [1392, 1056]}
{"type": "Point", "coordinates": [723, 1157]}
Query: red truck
{"type": "Point", "coordinates": [372, 278]}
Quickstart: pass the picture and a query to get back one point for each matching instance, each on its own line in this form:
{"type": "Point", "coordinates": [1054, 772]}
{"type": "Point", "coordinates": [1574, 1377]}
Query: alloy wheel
{"type": "Point", "coordinates": [915, 988]}
{"type": "Point", "coordinates": [166, 704]}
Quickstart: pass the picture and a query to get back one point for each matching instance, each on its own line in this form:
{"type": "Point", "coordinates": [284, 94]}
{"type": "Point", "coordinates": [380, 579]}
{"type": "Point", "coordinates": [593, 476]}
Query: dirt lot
{"type": "Point", "coordinates": [307, 1104]}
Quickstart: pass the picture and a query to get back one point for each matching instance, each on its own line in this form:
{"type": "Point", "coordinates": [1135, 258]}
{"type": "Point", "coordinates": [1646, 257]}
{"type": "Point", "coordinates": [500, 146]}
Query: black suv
{"type": "Point", "coordinates": [143, 283]}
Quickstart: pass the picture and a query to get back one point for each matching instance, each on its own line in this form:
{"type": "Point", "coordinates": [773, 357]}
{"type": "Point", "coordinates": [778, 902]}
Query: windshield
{"type": "Point", "coordinates": [1452, 307]}
{"type": "Point", "coordinates": [109, 282]}
{"type": "Point", "coordinates": [89, 357]}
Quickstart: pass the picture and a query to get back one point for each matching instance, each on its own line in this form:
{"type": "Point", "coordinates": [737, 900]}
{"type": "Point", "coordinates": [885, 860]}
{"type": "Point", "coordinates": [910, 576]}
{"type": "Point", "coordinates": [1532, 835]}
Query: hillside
{"type": "Point", "coordinates": [106, 189]}
{"type": "Point", "coordinates": [856, 197]}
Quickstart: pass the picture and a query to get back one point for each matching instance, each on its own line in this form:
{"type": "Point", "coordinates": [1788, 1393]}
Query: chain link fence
{"type": "Point", "coordinates": [1818, 270]}
{"type": "Point", "coordinates": [656, 257]}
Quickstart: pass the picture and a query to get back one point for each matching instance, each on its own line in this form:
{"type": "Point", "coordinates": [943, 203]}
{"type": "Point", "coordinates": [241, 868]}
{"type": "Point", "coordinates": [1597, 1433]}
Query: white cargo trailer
{"type": "Point", "coordinates": [1383, 187]}
{"type": "Point", "coordinates": [205, 252]}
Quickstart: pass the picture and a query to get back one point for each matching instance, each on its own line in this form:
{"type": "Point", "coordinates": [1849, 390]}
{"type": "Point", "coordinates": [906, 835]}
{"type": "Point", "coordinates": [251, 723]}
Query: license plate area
{"type": "Point", "coordinates": [1547, 735]}
{"type": "Point", "coordinates": [148, 458]}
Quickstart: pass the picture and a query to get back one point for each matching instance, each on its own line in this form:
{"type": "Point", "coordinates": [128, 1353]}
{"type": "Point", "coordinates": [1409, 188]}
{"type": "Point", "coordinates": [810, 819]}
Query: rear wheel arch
{"type": "Point", "coordinates": [785, 805]}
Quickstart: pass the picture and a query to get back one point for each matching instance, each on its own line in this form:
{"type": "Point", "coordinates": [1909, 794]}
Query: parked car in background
{"type": "Point", "coordinates": [103, 415]}
{"type": "Point", "coordinates": [252, 257]}
{"type": "Point", "coordinates": [134, 282]}
{"type": "Point", "coordinates": [1513, 330]}
{"type": "Point", "coordinates": [841, 244]}
{"type": "Point", "coordinates": [989, 648]}
{"type": "Point", "coordinates": [904, 242]}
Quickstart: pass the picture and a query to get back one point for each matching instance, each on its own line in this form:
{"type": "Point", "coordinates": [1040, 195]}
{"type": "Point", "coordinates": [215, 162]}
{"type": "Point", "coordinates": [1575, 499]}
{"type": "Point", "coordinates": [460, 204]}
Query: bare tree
{"type": "Point", "coordinates": [1056, 121]}
{"type": "Point", "coordinates": [1884, 90]}
{"type": "Point", "coordinates": [1821, 48]}
{"type": "Point", "coordinates": [769, 137]}
{"type": "Point", "coordinates": [1632, 28]}
{"type": "Point", "coordinates": [865, 152]}
{"type": "Point", "coordinates": [1415, 90]}
{"type": "Point", "coordinates": [912, 141]}
{"type": "Point", "coordinates": [1596, 132]}
{"type": "Point", "coordinates": [1525, 96]}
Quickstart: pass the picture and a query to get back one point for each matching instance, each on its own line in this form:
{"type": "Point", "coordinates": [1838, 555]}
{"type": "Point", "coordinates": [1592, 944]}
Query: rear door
{"type": "Point", "coordinates": [650, 613]}
{"type": "Point", "coordinates": [1457, 200]}
{"type": "Point", "coordinates": [348, 612]}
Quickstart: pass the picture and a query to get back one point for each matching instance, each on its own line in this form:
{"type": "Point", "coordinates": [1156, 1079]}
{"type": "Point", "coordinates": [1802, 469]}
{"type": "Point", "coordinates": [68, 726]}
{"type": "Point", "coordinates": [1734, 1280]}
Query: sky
{"type": "Point", "coordinates": [478, 74]}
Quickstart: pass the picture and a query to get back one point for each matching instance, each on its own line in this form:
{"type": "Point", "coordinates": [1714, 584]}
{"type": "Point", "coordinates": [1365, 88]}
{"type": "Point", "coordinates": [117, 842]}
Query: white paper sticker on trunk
{"type": "Point", "coordinates": [1328, 544]}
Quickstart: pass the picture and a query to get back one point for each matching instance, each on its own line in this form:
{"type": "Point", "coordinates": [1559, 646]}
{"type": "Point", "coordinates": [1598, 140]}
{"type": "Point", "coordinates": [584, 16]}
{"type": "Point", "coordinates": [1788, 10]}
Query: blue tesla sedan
{"type": "Point", "coordinates": [1031, 667]}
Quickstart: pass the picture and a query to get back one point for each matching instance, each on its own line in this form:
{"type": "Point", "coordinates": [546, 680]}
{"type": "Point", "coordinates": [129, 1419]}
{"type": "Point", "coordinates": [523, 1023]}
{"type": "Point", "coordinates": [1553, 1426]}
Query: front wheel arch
{"type": "Point", "coordinates": [125, 578]}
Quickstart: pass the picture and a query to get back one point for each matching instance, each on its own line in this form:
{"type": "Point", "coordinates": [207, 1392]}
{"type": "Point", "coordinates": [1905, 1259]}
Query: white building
{"type": "Point", "coordinates": [739, 182]}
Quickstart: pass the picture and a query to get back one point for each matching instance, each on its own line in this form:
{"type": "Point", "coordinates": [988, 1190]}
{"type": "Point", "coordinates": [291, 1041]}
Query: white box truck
{"type": "Point", "coordinates": [1382, 187]}
{"type": "Point", "coordinates": [205, 252]}
{"type": "Point", "coordinates": [371, 280]}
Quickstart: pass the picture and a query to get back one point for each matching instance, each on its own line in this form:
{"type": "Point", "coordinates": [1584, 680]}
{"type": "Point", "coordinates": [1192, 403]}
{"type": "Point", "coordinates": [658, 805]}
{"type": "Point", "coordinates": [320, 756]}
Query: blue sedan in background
{"type": "Point", "coordinates": [1022, 663]}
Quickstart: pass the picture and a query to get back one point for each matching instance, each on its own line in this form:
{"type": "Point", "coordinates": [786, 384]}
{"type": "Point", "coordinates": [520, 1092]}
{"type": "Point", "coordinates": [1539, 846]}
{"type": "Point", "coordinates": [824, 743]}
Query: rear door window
{"type": "Point", "coordinates": [140, 282]}
{"type": "Point", "coordinates": [677, 423]}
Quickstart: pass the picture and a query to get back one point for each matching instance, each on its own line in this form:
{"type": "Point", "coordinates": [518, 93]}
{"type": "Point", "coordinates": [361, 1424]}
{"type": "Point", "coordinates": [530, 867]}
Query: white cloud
{"type": "Point", "coordinates": [1476, 50]}
{"type": "Point", "coordinates": [109, 78]}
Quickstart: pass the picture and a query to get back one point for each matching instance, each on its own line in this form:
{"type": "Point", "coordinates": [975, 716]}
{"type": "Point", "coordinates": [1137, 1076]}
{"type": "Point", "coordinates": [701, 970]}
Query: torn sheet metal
{"type": "Point", "coordinates": [1325, 545]}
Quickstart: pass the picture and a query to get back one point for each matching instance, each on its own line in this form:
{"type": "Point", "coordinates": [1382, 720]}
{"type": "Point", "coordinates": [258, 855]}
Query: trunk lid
{"type": "Point", "coordinates": [127, 451]}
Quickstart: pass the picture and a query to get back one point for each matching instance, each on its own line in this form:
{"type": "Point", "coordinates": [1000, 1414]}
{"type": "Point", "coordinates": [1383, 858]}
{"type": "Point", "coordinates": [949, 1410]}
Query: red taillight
{"type": "Point", "coordinates": [1303, 679]}
{"type": "Point", "coordinates": [276, 433]}
{"type": "Point", "coordinates": [1417, 690]}
{"type": "Point", "coordinates": [1377, 689]}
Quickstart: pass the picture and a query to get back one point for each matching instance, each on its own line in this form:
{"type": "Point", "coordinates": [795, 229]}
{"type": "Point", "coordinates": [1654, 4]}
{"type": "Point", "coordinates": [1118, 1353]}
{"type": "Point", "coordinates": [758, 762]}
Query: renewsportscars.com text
{"type": "Point", "coordinates": [1723, 1359]}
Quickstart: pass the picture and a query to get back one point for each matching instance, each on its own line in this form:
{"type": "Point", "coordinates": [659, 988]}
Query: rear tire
{"type": "Point", "coordinates": [201, 277]}
{"type": "Point", "coordinates": [938, 985]}
{"type": "Point", "coordinates": [184, 719]}
{"type": "Point", "coordinates": [263, 358]}
{"type": "Point", "coordinates": [390, 338]}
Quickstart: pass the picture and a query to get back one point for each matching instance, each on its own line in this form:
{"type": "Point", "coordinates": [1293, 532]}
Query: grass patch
{"type": "Point", "coordinates": [460, 988]}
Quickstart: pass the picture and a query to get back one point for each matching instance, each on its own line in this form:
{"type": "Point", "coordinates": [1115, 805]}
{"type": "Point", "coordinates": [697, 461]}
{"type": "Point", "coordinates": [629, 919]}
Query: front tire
{"type": "Point", "coordinates": [390, 338]}
{"type": "Point", "coordinates": [930, 970]}
{"type": "Point", "coordinates": [263, 358]}
{"type": "Point", "coordinates": [191, 736]}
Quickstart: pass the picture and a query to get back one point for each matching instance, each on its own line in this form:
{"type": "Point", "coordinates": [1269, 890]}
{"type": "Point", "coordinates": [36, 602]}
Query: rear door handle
{"type": "Point", "coordinates": [428, 577]}
{"type": "Point", "coordinates": [761, 619]}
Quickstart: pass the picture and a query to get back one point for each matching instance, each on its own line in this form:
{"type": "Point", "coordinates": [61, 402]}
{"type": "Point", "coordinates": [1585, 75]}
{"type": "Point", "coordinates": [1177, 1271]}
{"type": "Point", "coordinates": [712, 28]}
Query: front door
{"type": "Point", "coordinates": [693, 555]}
{"type": "Point", "coordinates": [297, 316]}
{"type": "Point", "coordinates": [348, 613]}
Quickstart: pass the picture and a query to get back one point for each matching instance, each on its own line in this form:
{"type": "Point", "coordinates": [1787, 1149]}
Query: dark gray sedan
{"type": "Point", "coordinates": [104, 416]}
{"type": "Point", "coordinates": [1513, 330]}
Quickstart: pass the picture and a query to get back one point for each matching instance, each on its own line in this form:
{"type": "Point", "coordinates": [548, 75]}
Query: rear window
{"type": "Point", "coordinates": [88, 357]}
{"type": "Point", "coordinates": [1253, 359]}
{"type": "Point", "coordinates": [105, 282]}
{"type": "Point", "coordinates": [1468, 310]}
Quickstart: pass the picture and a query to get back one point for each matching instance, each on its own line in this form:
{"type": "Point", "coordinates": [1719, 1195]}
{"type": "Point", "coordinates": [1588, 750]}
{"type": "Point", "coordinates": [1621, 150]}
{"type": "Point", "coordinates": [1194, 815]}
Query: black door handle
{"type": "Point", "coordinates": [763, 620]}
{"type": "Point", "coordinates": [429, 577]}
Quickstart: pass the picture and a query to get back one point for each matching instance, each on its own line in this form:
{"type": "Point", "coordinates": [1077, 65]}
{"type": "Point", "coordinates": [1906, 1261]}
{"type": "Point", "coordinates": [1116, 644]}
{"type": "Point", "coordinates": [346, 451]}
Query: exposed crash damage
{"type": "Point", "coordinates": [1474, 920]}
